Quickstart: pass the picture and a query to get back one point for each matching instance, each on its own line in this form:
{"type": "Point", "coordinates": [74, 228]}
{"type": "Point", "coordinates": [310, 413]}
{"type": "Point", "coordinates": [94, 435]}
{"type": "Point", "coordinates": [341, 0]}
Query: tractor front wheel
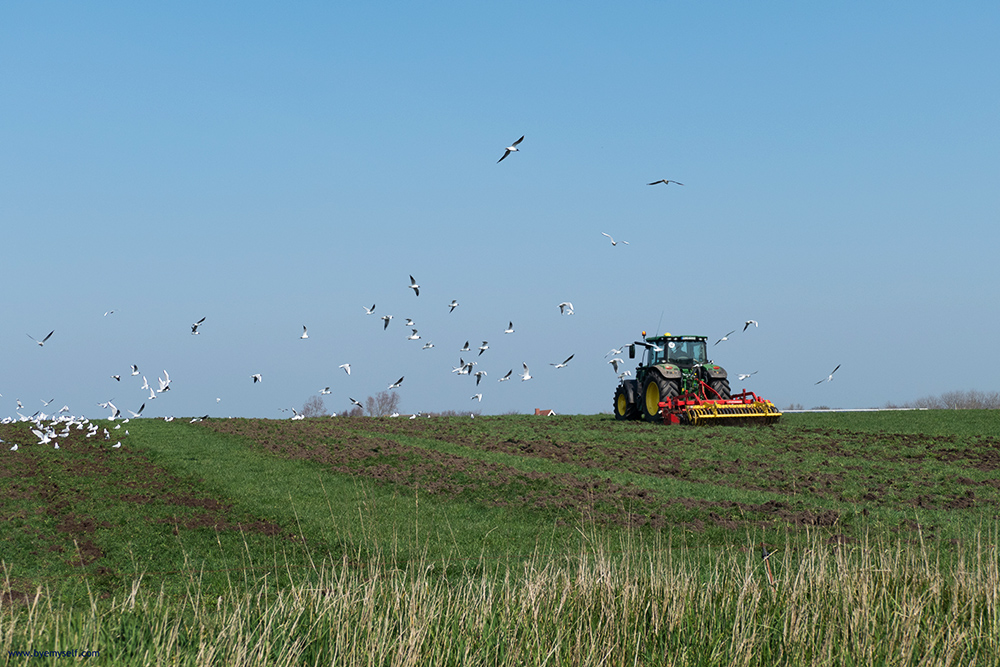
{"type": "Point", "coordinates": [623, 409]}
{"type": "Point", "coordinates": [655, 389]}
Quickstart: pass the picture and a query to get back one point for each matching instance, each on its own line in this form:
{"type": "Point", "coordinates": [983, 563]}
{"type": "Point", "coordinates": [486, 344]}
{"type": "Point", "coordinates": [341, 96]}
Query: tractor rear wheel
{"type": "Point", "coordinates": [655, 389]}
{"type": "Point", "coordinates": [722, 387]}
{"type": "Point", "coordinates": [623, 409]}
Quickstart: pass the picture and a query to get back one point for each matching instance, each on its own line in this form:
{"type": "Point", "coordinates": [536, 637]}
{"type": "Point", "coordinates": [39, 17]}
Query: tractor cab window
{"type": "Point", "coordinates": [686, 352]}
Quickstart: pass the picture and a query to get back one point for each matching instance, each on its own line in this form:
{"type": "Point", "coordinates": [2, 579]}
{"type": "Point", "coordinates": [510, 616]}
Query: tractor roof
{"type": "Point", "coordinates": [668, 337]}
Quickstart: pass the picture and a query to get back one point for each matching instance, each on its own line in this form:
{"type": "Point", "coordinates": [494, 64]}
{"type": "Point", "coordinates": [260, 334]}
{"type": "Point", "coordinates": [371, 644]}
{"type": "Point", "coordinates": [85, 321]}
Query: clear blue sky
{"type": "Point", "coordinates": [268, 166]}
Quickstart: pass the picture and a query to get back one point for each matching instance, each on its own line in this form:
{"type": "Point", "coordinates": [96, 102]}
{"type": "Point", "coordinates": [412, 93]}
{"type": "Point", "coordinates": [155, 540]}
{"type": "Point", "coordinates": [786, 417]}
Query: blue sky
{"type": "Point", "coordinates": [268, 167]}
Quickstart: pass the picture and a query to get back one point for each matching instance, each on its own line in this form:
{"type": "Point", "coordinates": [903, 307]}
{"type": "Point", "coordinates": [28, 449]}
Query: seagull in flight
{"type": "Point", "coordinates": [135, 369]}
{"type": "Point", "coordinates": [613, 242]}
{"type": "Point", "coordinates": [482, 348]}
{"type": "Point", "coordinates": [665, 182]}
{"type": "Point", "coordinates": [369, 311]}
{"type": "Point", "coordinates": [42, 341]}
{"type": "Point", "coordinates": [428, 345]}
{"type": "Point", "coordinates": [356, 403]}
{"type": "Point", "coordinates": [748, 323]}
{"type": "Point", "coordinates": [506, 377]}
{"type": "Point", "coordinates": [305, 333]}
{"type": "Point", "coordinates": [453, 305]}
{"type": "Point", "coordinates": [565, 308]}
{"type": "Point", "coordinates": [614, 351]}
{"type": "Point", "coordinates": [465, 348]}
{"type": "Point", "coordinates": [614, 363]}
{"type": "Point", "coordinates": [478, 397]}
{"type": "Point", "coordinates": [194, 327]}
{"type": "Point", "coordinates": [414, 286]}
{"type": "Point", "coordinates": [525, 375]}
{"type": "Point", "coordinates": [510, 328]}
{"type": "Point", "coordinates": [744, 376]}
{"type": "Point", "coordinates": [256, 378]}
{"type": "Point", "coordinates": [479, 376]}
{"type": "Point", "coordinates": [830, 377]}
{"type": "Point", "coordinates": [324, 392]}
{"type": "Point", "coordinates": [385, 321]}
{"type": "Point", "coordinates": [511, 149]}
{"type": "Point", "coordinates": [413, 336]}
{"type": "Point", "coordinates": [726, 337]}
{"type": "Point", "coordinates": [396, 383]}
{"type": "Point", "coordinates": [563, 364]}
{"type": "Point", "coordinates": [346, 367]}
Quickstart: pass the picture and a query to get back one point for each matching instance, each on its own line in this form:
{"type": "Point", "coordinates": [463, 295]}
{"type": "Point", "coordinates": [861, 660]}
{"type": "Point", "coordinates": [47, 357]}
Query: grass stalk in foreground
{"type": "Point", "coordinates": [876, 602]}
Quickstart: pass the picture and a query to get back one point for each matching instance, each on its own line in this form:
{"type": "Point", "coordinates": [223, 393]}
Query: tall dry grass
{"type": "Point", "coordinates": [879, 602]}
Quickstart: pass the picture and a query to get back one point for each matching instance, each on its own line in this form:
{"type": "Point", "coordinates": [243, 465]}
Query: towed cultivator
{"type": "Point", "coordinates": [676, 383]}
{"type": "Point", "coordinates": [741, 409]}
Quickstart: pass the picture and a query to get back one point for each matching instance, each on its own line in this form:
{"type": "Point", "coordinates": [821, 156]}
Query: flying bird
{"type": "Point", "coordinates": [726, 337]}
{"type": "Point", "coordinates": [830, 377]}
{"type": "Point", "coordinates": [346, 367]}
{"type": "Point", "coordinates": [465, 348]}
{"type": "Point", "coordinates": [614, 363]}
{"type": "Point", "coordinates": [511, 149]}
{"type": "Point", "coordinates": [665, 182]}
{"type": "Point", "coordinates": [414, 286]}
{"type": "Point", "coordinates": [565, 308]}
{"type": "Point", "coordinates": [479, 376]}
{"type": "Point", "coordinates": [324, 392]}
{"type": "Point", "coordinates": [613, 242]}
{"type": "Point", "coordinates": [385, 321]}
{"type": "Point", "coordinates": [256, 378]}
{"type": "Point", "coordinates": [369, 311]}
{"type": "Point", "coordinates": [413, 336]}
{"type": "Point", "coordinates": [42, 341]}
{"type": "Point", "coordinates": [428, 345]}
{"type": "Point", "coordinates": [117, 378]}
{"type": "Point", "coordinates": [507, 376]}
{"type": "Point", "coordinates": [135, 369]}
{"type": "Point", "coordinates": [453, 305]}
{"type": "Point", "coordinates": [525, 375]}
{"type": "Point", "coordinates": [744, 376]}
{"type": "Point", "coordinates": [305, 333]}
{"type": "Point", "coordinates": [748, 323]}
{"type": "Point", "coordinates": [356, 403]}
{"type": "Point", "coordinates": [563, 364]}
{"type": "Point", "coordinates": [478, 397]}
{"type": "Point", "coordinates": [510, 328]}
{"type": "Point", "coordinates": [396, 383]}
{"type": "Point", "coordinates": [194, 327]}
{"type": "Point", "coordinates": [482, 348]}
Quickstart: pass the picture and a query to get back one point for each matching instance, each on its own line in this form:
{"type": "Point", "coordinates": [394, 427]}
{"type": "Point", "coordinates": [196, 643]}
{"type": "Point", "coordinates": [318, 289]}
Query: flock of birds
{"type": "Point", "coordinates": [50, 428]}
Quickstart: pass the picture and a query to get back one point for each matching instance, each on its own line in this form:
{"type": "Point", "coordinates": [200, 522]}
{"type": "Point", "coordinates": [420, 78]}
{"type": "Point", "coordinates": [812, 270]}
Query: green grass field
{"type": "Point", "coordinates": [508, 540]}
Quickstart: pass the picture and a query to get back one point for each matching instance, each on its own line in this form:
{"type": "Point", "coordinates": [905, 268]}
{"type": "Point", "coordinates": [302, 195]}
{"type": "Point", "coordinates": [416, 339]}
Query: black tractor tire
{"type": "Point", "coordinates": [622, 408]}
{"type": "Point", "coordinates": [721, 386]}
{"type": "Point", "coordinates": [656, 388]}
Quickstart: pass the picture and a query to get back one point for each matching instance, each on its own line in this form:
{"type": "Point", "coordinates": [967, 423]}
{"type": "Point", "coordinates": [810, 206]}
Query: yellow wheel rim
{"type": "Point", "coordinates": [652, 398]}
{"type": "Point", "coordinates": [621, 405]}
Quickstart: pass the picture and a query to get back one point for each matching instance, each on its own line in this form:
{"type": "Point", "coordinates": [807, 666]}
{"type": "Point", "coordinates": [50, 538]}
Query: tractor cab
{"type": "Point", "coordinates": [683, 351]}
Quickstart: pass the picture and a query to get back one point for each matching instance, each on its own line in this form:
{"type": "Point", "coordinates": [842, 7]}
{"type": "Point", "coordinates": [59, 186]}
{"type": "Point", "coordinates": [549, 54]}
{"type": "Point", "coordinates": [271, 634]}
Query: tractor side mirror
{"type": "Point", "coordinates": [631, 351]}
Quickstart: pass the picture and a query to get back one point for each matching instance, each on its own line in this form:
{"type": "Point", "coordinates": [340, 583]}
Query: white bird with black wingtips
{"type": "Point", "coordinates": [830, 377]}
{"type": "Point", "coordinates": [41, 343]}
{"type": "Point", "coordinates": [510, 149]}
{"type": "Point", "coordinates": [414, 286]}
{"type": "Point", "coordinates": [563, 364]}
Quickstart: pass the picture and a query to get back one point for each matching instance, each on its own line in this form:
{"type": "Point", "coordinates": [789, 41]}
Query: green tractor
{"type": "Point", "coordinates": [677, 384]}
{"type": "Point", "coordinates": [672, 366]}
